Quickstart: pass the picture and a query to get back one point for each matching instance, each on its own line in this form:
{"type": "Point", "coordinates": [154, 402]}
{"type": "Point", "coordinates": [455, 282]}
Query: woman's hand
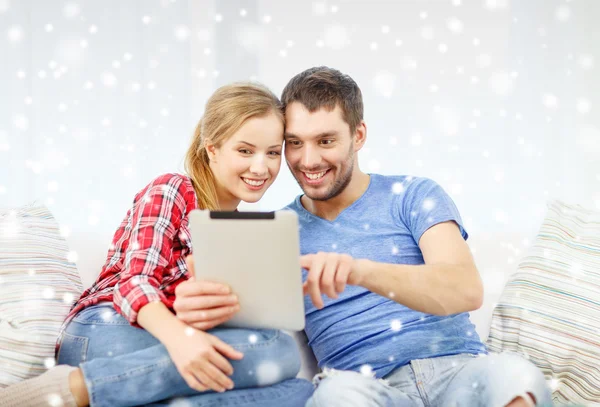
{"type": "Point", "coordinates": [201, 359]}
{"type": "Point", "coordinates": [204, 304]}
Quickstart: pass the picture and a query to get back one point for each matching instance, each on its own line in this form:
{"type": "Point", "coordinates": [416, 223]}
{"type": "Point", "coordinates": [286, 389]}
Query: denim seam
{"type": "Point", "coordinates": [419, 382]}
{"type": "Point", "coordinates": [258, 344]}
{"type": "Point", "coordinates": [88, 322]}
{"type": "Point", "coordinates": [130, 373]}
{"type": "Point", "coordinates": [91, 384]}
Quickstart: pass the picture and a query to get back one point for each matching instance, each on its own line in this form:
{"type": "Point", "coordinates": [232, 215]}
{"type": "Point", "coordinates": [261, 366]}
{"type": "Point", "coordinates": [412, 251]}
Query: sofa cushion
{"type": "Point", "coordinates": [549, 311]}
{"type": "Point", "coordinates": [38, 285]}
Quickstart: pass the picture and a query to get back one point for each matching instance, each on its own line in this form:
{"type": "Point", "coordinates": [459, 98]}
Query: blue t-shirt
{"type": "Point", "coordinates": [363, 328]}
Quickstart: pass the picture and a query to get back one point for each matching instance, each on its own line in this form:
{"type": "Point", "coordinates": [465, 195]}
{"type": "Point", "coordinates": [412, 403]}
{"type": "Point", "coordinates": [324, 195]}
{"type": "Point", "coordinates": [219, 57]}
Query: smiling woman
{"type": "Point", "coordinates": [235, 155]}
{"type": "Point", "coordinates": [251, 155]}
{"type": "Point", "coordinates": [239, 139]}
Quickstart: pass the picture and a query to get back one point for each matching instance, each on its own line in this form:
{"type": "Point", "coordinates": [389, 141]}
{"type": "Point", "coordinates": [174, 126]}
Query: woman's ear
{"type": "Point", "coordinates": [211, 150]}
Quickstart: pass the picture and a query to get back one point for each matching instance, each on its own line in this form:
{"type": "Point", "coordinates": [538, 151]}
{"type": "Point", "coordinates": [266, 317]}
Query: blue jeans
{"type": "Point", "coordinates": [450, 381]}
{"type": "Point", "coordinates": [127, 366]}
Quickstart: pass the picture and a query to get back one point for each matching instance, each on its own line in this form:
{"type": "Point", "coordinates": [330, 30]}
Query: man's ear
{"type": "Point", "coordinates": [360, 135]}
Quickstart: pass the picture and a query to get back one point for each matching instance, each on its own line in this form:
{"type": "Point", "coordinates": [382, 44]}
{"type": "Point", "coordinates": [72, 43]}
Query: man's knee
{"type": "Point", "coordinates": [344, 388]}
{"type": "Point", "coordinates": [522, 376]}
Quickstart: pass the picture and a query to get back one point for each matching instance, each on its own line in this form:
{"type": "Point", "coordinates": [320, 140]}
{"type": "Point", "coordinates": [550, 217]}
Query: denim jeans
{"type": "Point", "coordinates": [127, 366]}
{"type": "Point", "coordinates": [450, 381]}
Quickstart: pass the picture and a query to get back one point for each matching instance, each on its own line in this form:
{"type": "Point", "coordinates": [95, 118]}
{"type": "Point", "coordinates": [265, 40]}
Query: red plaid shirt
{"type": "Point", "coordinates": [146, 259]}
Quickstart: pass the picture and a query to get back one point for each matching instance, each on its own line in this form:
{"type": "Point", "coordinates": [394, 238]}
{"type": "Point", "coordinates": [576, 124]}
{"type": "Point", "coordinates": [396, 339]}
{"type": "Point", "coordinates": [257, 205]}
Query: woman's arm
{"type": "Point", "coordinates": [155, 220]}
{"type": "Point", "coordinates": [157, 319]}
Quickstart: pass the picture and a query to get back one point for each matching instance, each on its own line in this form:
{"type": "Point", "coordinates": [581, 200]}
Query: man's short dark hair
{"type": "Point", "coordinates": [326, 87]}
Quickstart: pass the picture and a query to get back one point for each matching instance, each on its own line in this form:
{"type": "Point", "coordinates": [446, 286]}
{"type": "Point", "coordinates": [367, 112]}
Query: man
{"type": "Point", "coordinates": [389, 254]}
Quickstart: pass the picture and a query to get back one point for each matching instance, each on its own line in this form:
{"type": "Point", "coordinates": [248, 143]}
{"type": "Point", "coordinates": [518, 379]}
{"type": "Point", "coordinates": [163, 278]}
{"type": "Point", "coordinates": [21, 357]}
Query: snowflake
{"type": "Point", "coordinates": [583, 106]}
{"type": "Point", "coordinates": [384, 83]}
{"type": "Point", "coordinates": [182, 33]}
{"type": "Point", "coordinates": [562, 13]}
{"type": "Point", "coordinates": [366, 370]}
{"type": "Point", "coordinates": [268, 373]}
{"type": "Point", "coordinates": [48, 293]}
{"type": "Point", "coordinates": [68, 298]}
{"type": "Point", "coordinates": [454, 25]}
{"type": "Point", "coordinates": [319, 8]}
{"type": "Point", "coordinates": [427, 32]}
{"type": "Point", "coordinates": [494, 5]}
{"type": "Point", "coordinates": [21, 122]}
{"type": "Point", "coordinates": [109, 79]}
{"type": "Point", "coordinates": [550, 101]}
{"type": "Point", "coordinates": [398, 188]}
{"type": "Point", "coordinates": [72, 256]}
{"type": "Point", "coordinates": [428, 204]}
{"type": "Point", "coordinates": [49, 363]}
{"type": "Point", "coordinates": [55, 400]}
{"type": "Point", "coordinates": [107, 315]}
{"type": "Point", "coordinates": [586, 61]}
{"type": "Point", "coordinates": [336, 37]}
{"type": "Point", "coordinates": [71, 10]}
{"type": "Point", "coordinates": [15, 33]}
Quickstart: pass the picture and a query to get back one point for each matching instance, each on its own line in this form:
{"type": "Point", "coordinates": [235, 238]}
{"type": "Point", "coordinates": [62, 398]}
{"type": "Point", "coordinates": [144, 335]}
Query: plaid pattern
{"type": "Point", "coordinates": [146, 259]}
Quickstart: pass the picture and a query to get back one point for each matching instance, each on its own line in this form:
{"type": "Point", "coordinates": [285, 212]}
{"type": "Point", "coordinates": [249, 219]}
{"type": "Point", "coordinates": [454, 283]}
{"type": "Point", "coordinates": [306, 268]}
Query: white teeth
{"type": "Point", "coordinates": [315, 176]}
{"type": "Point", "coordinates": [253, 182]}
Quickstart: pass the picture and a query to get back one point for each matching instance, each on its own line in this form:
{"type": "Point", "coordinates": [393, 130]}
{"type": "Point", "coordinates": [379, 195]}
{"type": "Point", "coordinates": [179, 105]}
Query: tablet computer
{"type": "Point", "coordinates": [258, 255]}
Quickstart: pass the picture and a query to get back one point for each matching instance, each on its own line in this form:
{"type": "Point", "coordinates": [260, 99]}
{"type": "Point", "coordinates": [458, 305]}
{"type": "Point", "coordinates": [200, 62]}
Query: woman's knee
{"type": "Point", "coordinates": [270, 355]}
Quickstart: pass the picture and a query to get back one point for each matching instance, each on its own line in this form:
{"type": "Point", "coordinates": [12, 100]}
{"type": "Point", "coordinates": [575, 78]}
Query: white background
{"type": "Point", "coordinates": [496, 100]}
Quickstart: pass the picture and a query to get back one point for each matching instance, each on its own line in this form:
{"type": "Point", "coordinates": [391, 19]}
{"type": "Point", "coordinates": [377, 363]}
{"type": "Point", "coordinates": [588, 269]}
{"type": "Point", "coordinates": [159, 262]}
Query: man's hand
{"type": "Point", "coordinates": [204, 304]}
{"type": "Point", "coordinates": [329, 273]}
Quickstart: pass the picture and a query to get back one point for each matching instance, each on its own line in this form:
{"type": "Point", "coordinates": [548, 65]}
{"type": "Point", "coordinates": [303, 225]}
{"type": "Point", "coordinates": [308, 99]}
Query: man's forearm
{"type": "Point", "coordinates": [439, 289]}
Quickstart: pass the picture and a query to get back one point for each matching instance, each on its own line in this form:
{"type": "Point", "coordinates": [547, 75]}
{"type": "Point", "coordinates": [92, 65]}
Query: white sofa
{"type": "Point", "coordinates": [496, 256]}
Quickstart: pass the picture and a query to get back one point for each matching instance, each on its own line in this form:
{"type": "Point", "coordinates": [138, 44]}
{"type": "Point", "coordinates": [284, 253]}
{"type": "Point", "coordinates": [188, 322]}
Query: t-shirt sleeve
{"type": "Point", "coordinates": [424, 204]}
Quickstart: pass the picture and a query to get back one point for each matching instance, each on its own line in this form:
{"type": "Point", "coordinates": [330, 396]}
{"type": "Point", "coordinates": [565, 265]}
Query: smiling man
{"type": "Point", "coordinates": [388, 275]}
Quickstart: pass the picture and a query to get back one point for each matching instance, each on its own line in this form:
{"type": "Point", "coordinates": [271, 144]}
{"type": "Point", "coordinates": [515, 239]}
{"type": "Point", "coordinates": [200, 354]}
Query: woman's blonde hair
{"type": "Point", "coordinates": [225, 112]}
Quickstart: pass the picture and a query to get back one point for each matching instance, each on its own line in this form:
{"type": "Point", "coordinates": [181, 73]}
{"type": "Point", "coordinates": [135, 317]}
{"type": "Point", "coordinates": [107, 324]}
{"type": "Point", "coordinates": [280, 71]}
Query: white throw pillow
{"type": "Point", "coordinates": [38, 285]}
{"type": "Point", "coordinates": [549, 311]}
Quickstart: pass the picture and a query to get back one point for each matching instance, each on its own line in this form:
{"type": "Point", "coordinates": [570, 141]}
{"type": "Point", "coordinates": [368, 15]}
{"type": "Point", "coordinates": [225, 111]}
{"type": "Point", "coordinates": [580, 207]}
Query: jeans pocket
{"type": "Point", "coordinates": [73, 350]}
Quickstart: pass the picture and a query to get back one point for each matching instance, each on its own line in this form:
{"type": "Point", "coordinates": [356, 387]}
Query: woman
{"type": "Point", "coordinates": [122, 333]}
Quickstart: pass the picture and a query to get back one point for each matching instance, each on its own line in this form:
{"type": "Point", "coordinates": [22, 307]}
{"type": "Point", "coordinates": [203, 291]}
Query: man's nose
{"type": "Point", "coordinates": [310, 158]}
